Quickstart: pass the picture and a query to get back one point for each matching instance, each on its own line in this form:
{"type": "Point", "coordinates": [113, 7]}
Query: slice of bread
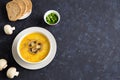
{"type": "Point", "coordinates": [25, 15]}
{"type": "Point", "coordinates": [29, 9]}
{"type": "Point", "coordinates": [29, 6]}
{"type": "Point", "coordinates": [23, 7]}
{"type": "Point", "coordinates": [26, 6]}
{"type": "Point", "coordinates": [13, 10]}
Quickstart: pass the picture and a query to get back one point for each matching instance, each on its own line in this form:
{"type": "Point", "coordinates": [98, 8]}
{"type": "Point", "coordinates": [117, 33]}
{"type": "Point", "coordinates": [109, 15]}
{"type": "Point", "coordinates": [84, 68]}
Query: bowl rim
{"type": "Point", "coordinates": [42, 32]}
{"type": "Point", "coordinates": [52, 11]}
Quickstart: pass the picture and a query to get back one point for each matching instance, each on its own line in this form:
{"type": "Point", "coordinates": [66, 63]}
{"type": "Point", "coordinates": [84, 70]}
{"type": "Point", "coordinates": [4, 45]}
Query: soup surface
{"type": "Point", "coordinates": [34, 47]}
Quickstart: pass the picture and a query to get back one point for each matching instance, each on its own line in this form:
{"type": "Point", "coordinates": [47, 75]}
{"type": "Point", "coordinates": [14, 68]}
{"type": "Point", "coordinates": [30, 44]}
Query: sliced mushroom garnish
{"type": "Point", "coordinates": [32, 43]}
{"type": "Point", "coordinates": [34, 46]}
{"type": "Point", "coordinates": [33, 50]}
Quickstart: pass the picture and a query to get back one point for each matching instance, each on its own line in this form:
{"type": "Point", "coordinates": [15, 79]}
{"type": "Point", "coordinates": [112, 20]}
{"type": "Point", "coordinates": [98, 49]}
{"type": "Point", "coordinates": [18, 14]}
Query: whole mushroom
{"type": "Point", "coordinates": [8, 29]}
{"type": "Point", "coordinates": [11, 72]}
{"type": "Point", "coordinates": [3, 64]}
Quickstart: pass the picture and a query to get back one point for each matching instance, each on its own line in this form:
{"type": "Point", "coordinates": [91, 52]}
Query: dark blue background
{"type": "Point", "coordinates": [88, 38]}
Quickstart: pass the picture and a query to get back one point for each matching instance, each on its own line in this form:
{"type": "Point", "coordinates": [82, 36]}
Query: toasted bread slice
{"type": "Point", "coordinates": [13, 10]}
{"type": "Point", "coordinates": [25, 15]}
{"type": "Point", "coordinates": [28, 11]}
{"type": "Point", "coordinates": [26, 6]}
{"type": "Point", "coordinates": [23, 6]}
{"type": "Point", "coordinates": [29, 5]}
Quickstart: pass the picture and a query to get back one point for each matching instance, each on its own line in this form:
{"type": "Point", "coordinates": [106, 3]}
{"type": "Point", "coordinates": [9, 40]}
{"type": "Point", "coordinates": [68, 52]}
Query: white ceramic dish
{"type": "Point", "coordinates": [25, 15]}
{"type": "Point", "coordinates": [44, 62]}
{"type": "Point", "coordinates": [51, 11]}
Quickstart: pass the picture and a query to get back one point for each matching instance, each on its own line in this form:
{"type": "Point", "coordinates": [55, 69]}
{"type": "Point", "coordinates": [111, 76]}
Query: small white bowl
{"type": "Point", "coordinates": [51, 11]}
{"type": "Point", "coordinates": [31, 65]}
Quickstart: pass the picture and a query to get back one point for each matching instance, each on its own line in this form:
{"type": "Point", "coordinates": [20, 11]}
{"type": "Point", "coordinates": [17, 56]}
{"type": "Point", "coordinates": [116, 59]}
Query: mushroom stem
{"type": "Point", "coordinates": [12, 28]}
{"type": "Point", "coordinates": [17, 73]}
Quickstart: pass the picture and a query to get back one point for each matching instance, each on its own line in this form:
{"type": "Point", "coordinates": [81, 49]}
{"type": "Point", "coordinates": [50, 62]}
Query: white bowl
{"type": "Point", "coordinates": [46, 60]}
{"type": "Point", "coordinates": [52, 11]}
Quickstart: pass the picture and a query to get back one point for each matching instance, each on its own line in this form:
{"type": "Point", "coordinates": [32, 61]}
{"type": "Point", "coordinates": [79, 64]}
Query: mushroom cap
{"type": "Point", "coordinates": [11, 72]}
{"type": "Point", "coordinates": [3, 64]}
{"type": "Point", "coordinates": [8, 29]}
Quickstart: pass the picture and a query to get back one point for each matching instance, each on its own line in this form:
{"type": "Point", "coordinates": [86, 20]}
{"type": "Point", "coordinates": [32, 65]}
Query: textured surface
{"type": "Point", "coordinates": [88, 37]}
